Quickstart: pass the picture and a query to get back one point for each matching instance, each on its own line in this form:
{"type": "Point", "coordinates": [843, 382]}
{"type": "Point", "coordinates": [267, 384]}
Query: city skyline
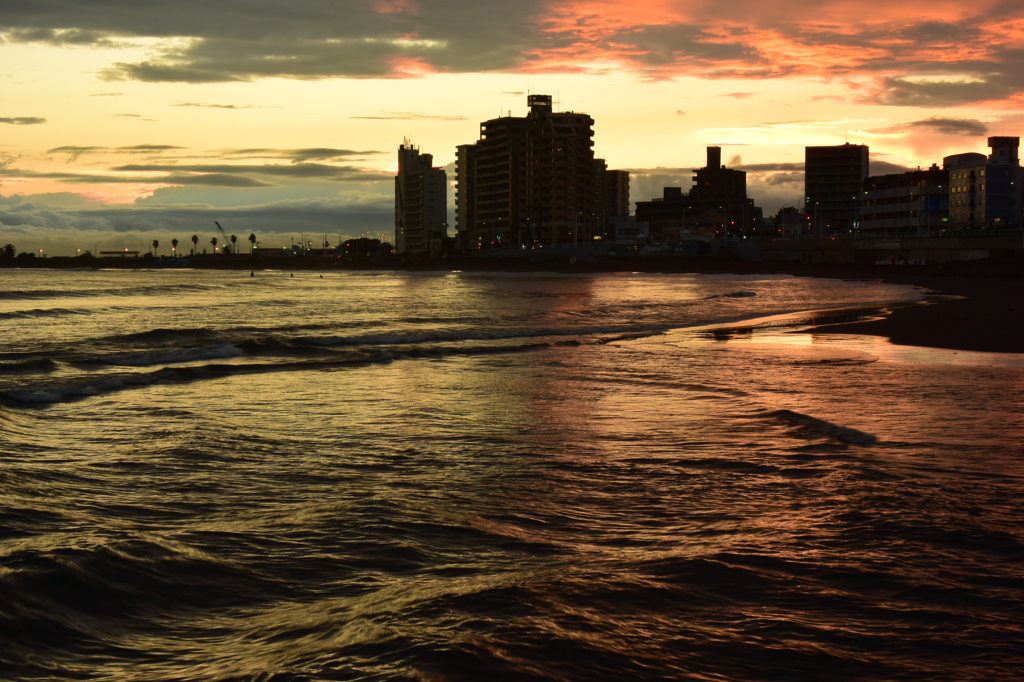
{"type": "Point", "coordinates": [154, 120]}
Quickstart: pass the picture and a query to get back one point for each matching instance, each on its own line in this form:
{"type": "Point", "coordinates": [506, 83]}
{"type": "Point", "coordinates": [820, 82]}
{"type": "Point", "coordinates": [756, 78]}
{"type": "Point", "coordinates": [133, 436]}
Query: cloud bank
{"type": "Point", "coordinates": [917, 52]}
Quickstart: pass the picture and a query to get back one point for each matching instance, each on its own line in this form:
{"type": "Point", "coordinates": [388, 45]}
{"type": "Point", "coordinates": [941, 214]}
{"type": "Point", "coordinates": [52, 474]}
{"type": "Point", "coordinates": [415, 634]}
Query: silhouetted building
{"type": "Point", "coordinates": [833, 177]}
{"type": "Point", "coordinates": [986, 192]}
{"type": "Point", "coordinates": [915, 201]}
{"type": "Point", "coordinates": [465, 183]}
{"type": "Point", "coordinates": [718, 196]}
{"type": "Point", "coordinates": [723, 191]}
{"type": "Point", "coordinates": [421, 201]}
{"type": "Point", "coordinates": [531, 181]}
{"type": "Point", "coordinates": [664, 214]}
{"type": "Point", "coordinates": [613, 197]}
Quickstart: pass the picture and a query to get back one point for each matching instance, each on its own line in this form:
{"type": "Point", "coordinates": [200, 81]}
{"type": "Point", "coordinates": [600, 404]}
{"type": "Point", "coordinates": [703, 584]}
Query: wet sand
{"type": "Point", "coordinates": [976, 314]}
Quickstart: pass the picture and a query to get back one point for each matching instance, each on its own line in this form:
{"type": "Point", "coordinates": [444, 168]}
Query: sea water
{"type": "Point", "coordinates": [460, 476]}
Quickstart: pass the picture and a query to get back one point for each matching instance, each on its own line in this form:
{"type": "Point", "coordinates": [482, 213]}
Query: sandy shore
{"type": "Point", "coordinates": [977, 314]}
{"type": "Point", "coordinates": [972, 305]}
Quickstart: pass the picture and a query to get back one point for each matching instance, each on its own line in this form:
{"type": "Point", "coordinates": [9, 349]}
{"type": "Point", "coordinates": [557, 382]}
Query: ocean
{"type": "Point", "coordinates": [438, 477]}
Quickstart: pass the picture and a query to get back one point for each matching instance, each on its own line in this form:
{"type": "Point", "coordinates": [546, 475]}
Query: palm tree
{"type": "Point", "coordinates": [174, 247]}
{"type": "Point", "coordinates": [156, 245]}
{"type": "Point", "coordinates": [8, 251]}
{"type": "Point", "coordinates": [195, 243]}
{"type": "Point", "coordinates": [234, 240]}
{"type": "Point", "coordinates": [213, 241]}
{"type": "Point", "coordinates": [252, 243]}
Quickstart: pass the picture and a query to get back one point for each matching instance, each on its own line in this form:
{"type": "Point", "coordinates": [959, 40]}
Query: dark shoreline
{"type": "Point", "coordinates": [972, 305]}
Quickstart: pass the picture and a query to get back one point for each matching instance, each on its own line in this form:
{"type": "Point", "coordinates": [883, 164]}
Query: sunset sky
{"type": "Point", "coordinates": [123, 122]}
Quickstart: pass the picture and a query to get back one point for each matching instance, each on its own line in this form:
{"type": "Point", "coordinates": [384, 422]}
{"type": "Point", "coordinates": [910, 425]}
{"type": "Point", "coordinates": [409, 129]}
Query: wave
{"type": "Point", "coordinates": [111, 383]}
{"type": "Point", "coordinates": [808, 426]}
{"type": "Point", "coordinates": [158, 335]}
{"type": "Point", "coordinates": [454, 336]}
{"type": "Point", "coordinates": [37, 365]}
{"type": "Point", "coordinates": [43, 312]}
{"type": "Point", "coordinates": [126, 291]}
{"type": "Point", "coordinates": [190, 355]}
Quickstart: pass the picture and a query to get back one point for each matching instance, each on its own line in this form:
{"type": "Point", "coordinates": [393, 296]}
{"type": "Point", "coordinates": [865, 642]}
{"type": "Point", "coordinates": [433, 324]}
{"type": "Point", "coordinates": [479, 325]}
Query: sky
{"type": "Point", "coordinates": [127, 122]}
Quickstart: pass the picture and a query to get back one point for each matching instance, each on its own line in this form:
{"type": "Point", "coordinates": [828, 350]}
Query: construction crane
{"type": "Point", "coordinates": [222, 232]}
{"type": "Point", "coordinates": [227, 239]}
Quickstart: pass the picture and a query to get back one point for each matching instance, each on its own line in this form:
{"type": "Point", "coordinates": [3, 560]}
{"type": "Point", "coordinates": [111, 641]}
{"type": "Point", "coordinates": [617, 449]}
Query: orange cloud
{"type": "Point", "coordinates": [905, 49]}
{"type": "Point", "coordinates": [395, 7]}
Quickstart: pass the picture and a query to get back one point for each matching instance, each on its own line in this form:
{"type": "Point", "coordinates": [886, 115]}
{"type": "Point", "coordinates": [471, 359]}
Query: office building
{"type": "Point", "coordinates": [421, 200]}
{"type": "Point", "coordinates": [833, 177]}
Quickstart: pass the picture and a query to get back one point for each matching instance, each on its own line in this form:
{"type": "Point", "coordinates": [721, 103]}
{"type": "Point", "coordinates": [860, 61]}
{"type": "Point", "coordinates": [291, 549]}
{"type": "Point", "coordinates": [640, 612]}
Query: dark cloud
{"type": "Point", "coordinates": [770, 167]}
{"type": "Point", "coordinates": [779, 179]}
{"type": "Point", "coordinates": [237, 41]}
{"type": "Point", "coordinates": [900, 91]}
{"type": "Point", "coordinates": [688, 44]}
{"type": "Point", "coordinates": [23, 120]}
{"type": "Point", "coordinates": [879, 167]}
{"type": "Point", "coordinates": [149, 148]}
{"type": "Point", "coordinates": [210, 179]}
{"type": "Point", "coordinates": [74, 152]}
{"type": "Point", "coordinates": [952, 126]}
{"type": "Point", "coordinates": [61, 37]}
{"type": "Point", "coordinates": [295, 170]}
{"type": "Point", "coordinates": [321, 154]}
{"type": "Point", "coordinates": [974, 58]}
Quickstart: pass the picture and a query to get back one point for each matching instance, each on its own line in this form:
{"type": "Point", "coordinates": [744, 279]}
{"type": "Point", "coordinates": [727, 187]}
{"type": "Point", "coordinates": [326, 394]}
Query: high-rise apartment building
{"type": "Point", "coordinates": [986, 192]}
{"type": "Point", "coordinates": [534, 181]}
{"type": "Point", "coordinates": [421, 201]}
{"type": "Point", "coordinates": [832, 186]}
{"type": "Point", "coordinates": [465, 183]}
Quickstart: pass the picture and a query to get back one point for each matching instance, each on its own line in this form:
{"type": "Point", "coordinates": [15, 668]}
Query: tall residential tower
{"type": "Point", "coordinates": [534, 181]}
{"type": "Point", "coordinates": [421, 202]}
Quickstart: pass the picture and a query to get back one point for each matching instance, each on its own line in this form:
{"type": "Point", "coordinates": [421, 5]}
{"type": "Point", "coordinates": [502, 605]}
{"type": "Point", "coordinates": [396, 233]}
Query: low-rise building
{"type": "Point", "coordinates": [987, 193]}
{"type": "Point", "coordinates": [915, 201]}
